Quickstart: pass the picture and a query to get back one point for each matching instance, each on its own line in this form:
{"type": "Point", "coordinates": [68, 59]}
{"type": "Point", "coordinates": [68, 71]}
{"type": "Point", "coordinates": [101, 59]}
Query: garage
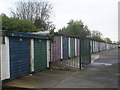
{"type": "Point", "coordinates": [65, 48]}
{"type": "Point", "coordinates": [19, 57]}
{"type": "Point", "coordinates": [40, 55]}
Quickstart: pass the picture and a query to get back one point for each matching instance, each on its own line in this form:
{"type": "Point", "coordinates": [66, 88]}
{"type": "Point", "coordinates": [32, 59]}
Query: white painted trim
{"type": "Point", "coordinates": [91, 46]}
{"type": "Point", "coordinates": [5, 60]}
{"type": "Point", "coordinates": [48, 53]}
{"type": "Point", "coordinates": [75, 47]}
{"type": "Point", "coordinates": [69, 47]}
{"type": "Point", "coordinates": [32, 54]}
{"type": "Point", "coordinates": [61, 47]}
{"type": "Point", "coordinates": [8, 58]}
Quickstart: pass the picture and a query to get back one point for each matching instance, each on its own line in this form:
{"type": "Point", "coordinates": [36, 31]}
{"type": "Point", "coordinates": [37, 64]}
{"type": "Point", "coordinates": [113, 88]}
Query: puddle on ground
{"type": "Point", "coordinates": [101, 64]}
{"type": "Point", "coordinates": [118, 74]}
{"type": "Point", "coordinates": [108, 64]}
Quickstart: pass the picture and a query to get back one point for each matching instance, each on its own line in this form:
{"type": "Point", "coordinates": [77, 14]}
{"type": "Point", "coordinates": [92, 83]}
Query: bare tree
{"type": "Point", "coordinates": [33, 10]}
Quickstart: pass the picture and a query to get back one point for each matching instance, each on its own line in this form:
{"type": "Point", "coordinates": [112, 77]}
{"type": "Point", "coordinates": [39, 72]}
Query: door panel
{"type": "Point", "coordinates": [40, 55]}
{"type": "Point", "coordinates": [19, 57]}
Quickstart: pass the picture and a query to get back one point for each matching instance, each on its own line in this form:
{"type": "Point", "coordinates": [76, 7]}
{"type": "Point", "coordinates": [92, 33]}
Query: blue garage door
{"type": "Point", "coordinates": [65, 48]}
{"type": "Point", "coordinates": [19, 57]}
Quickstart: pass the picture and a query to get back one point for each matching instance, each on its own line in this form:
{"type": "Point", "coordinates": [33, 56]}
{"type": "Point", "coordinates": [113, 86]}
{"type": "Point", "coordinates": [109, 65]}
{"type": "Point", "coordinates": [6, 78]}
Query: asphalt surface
{"type": "Point", "coordinates": [101, 73]}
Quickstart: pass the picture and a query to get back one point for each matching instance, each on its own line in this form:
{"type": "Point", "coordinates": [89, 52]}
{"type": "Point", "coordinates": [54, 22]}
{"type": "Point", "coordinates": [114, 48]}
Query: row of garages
{"type": "Point", "coordinates": [24, 53]}
{"type": "Point", "coordinates": [64, 47]}
{"type": "Point", "coordinates": [97, 46]}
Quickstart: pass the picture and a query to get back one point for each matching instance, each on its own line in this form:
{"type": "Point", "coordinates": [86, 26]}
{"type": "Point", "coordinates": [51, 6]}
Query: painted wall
{"type": "Point", "coordinates": [56, 49]}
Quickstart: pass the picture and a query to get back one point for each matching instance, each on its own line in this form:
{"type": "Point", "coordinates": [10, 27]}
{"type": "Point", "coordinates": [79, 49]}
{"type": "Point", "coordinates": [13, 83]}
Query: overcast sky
{"type": "Point", "coordinates": [101, 15]}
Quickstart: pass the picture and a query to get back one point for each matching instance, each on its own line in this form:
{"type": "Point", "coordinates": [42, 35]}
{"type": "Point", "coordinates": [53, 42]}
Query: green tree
{"type": "Point", "coordinates": [15, 24]}
{"type": "Point", "coordinates": [96, 35]}
{"type": "Point", "coordinates": [107, 40]}
{"type": "Point", "coordinates": [40, 24]}
{"type": "Point", "coordinates": [76, 28]}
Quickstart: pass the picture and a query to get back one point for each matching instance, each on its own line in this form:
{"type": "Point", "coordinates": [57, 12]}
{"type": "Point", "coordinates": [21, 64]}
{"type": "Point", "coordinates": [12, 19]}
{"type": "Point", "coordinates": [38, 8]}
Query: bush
{"type": "Point", "coordinates": [17, 25]}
